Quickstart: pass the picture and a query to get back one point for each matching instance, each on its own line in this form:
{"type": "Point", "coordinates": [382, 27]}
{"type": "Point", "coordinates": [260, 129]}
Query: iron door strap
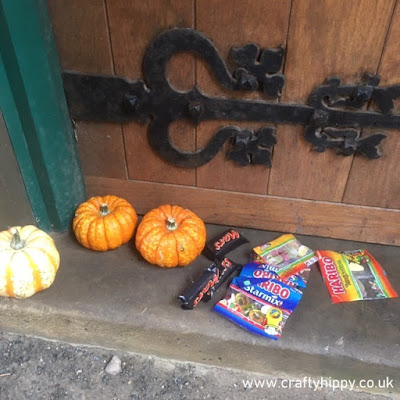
{"type": "Point", "coordinates": [333, 118]}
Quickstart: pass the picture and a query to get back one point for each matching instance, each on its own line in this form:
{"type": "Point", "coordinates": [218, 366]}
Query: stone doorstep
{"type": "Point", "coordinates": [117, 300]}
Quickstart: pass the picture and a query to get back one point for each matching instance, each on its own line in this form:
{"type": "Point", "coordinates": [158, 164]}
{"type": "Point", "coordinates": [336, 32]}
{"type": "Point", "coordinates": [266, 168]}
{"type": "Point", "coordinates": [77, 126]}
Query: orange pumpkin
{"type": "Point", "coordinates": [170, 236]}
{"type": "Point", "coordinates": [104, 223]}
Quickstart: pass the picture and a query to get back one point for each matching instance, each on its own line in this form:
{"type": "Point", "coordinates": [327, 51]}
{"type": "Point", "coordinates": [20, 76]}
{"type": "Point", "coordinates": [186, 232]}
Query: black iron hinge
{"type": "Point", "coordinates": [333, 118]}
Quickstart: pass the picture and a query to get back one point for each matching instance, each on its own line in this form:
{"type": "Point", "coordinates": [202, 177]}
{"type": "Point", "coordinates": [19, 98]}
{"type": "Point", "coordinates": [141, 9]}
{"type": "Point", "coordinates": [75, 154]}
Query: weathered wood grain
{"type": "Point", "coordinates": [133, 25]}
{"type": "Point", "coordinates": [376, 183]}
{"type": "Point", "coordinates": [235, 24]}
{"type": "Point", "coordinates": [82, 39]}
{"type": "Point", "coordinates": [332, 37]}
{"type": "Point", "coordinates": [326, 38]}
{"type": "Point", "coordinates": [101, 149]}
{"type": "Point", "coordinates": [81, 33]}
{"type": "Point", "coordinates": [272, 213]}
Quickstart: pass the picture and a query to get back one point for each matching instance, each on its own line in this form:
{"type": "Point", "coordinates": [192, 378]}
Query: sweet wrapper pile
{"type": "Point", "coordinates": [268, 289]}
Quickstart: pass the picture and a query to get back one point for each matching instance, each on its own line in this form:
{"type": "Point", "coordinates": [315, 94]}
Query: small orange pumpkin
{"type": "Point", "coordinates": [170, 236]}
{"type": "Point", "coordinates": [104, 223]}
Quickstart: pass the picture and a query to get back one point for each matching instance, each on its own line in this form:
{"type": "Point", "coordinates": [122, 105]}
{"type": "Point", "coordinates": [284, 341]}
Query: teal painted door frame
{"type": "Point", "coordinates": [34, 109]}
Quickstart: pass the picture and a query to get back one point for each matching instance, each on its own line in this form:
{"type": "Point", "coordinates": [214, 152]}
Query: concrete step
{"type": "Point", "coordinates": [117, 300]}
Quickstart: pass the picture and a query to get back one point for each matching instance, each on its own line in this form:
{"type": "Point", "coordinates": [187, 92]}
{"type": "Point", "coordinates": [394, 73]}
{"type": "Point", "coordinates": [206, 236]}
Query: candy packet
{"type": "Point", "coordinates": [252, 312]}
{"type": "Point", "coordinates": [256, 269]}
{"type": "Point", "coordinates": [291, 259]}
{"type": "Point", "coordinates": [354, 275]}
{"type": "Point", "coordinates": [269, 288]}
{"type": "Point", "coordinates": [273, 291]}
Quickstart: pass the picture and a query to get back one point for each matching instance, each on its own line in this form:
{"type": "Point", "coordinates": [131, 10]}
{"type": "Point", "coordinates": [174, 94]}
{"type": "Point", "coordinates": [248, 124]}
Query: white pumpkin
{"type": "Point", "coordinates": [29, 261]}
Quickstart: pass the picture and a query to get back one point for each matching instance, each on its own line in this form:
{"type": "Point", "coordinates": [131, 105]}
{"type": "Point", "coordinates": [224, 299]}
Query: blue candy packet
{"type": "Point", "coordinates": [252, 313]}
{"type": "Point", "coordinates": [273, 291]}
{"type": "Point", "coordinates": [266, 292]}
{"type": "Point", "coordinates": [265, 271]}
{"type": "Point", "coordinates": [250, 268]}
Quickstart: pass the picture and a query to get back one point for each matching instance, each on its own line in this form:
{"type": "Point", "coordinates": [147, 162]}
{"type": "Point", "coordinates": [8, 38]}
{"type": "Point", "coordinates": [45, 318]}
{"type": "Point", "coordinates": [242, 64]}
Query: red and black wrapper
{"type": "Point", "coordinates": [208, 282]}
{"type": "Point", "coordinates": [221, 245]}
{"type": "Point", "coordinates": [226, 269]}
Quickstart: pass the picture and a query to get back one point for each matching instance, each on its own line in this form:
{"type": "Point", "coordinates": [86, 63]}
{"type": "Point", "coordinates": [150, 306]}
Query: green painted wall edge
{"type": "Point", "coordinates": [36, 113]}
{"type": "Point", "coordinates": [13, 122]}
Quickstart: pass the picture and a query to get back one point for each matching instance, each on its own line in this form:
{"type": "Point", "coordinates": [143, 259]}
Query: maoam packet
{"type": "Point", "coordinates": [258, 305]}
{"type": "Point", "coordinates": [354, 275]}
{"type": "Point", "coordinates": [290, 259]}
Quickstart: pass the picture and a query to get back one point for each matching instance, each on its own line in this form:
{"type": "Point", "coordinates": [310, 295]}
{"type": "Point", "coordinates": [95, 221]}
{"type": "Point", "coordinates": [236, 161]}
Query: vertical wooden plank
{"type": "Point", "coordinates": [376, 182]}
{"type": "Point", "coordinates": [330, 37]}
{"type": "Point", "coordinates": [132, 28]}
{"type": "Point", "coordinates": [101, 149]}
{"type": "Point", "coordinates": [83, 44]}
{"type": "Point", "coordinates": [81, 35]}
{"type": "Point", "coordinates": [228, 24]}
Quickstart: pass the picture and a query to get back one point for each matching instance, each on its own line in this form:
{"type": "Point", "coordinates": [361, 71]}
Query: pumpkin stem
{"type": "Point", "coordinates": [171, 224]}
{"type": "Point", "coordinates": [16, 242]}
{"type": "Point", "coordinates": [104, 210]}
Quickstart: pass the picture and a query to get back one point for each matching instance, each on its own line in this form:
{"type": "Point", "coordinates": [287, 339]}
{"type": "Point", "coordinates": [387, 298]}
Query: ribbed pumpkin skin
{"type": "Point", "coordinates": [102, 233]}
{"type": "Point", "coordinates": [170, 248]}
{"type": "Point", "coordinates": [32, 268]}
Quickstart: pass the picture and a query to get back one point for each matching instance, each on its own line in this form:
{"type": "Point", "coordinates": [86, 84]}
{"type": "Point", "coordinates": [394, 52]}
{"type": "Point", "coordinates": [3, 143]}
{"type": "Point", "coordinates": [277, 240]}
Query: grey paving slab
{"type": "Point", "coordinates": [118, 300]}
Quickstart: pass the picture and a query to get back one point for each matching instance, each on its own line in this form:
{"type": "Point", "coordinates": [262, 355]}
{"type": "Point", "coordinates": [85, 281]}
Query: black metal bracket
{"type": "Point", "coordinates": [333, 119]}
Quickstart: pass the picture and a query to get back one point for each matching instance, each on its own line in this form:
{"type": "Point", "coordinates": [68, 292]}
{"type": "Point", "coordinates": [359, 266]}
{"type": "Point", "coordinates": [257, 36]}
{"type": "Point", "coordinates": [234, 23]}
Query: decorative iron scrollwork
{"type": "Point", "coordinates": [259, 69]}
{"type": "Point", "coordinates": [333, 119]}
{"type": "Point", "coordinates": [253, 148]}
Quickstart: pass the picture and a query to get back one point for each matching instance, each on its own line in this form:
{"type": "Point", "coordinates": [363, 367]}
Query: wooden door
{"type": "Point", "coordinates": [304, 191]}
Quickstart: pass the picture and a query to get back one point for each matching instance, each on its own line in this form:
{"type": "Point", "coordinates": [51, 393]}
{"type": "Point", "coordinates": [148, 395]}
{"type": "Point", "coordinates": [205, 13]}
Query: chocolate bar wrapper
{"type": "Point", "coordinates": [208, 282]}
{"type": "Point", "coordinates": [226, 268]}
{"type": "Point", "coordinates": [252, 313]}
{"type": "Point", "coordinates": [352, 276]}
{"type": "Point", "coordinates": [193, 294]}
{"type": "Point", "coordinates": [221, 245]}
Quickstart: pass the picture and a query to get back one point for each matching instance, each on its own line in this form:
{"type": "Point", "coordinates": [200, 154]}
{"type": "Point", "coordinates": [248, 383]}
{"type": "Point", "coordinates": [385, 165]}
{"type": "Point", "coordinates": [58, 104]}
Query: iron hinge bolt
{"type": "Point", "coordinates": [131, 102]}
{"type": "Point", "coordinates": [195, 109]}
